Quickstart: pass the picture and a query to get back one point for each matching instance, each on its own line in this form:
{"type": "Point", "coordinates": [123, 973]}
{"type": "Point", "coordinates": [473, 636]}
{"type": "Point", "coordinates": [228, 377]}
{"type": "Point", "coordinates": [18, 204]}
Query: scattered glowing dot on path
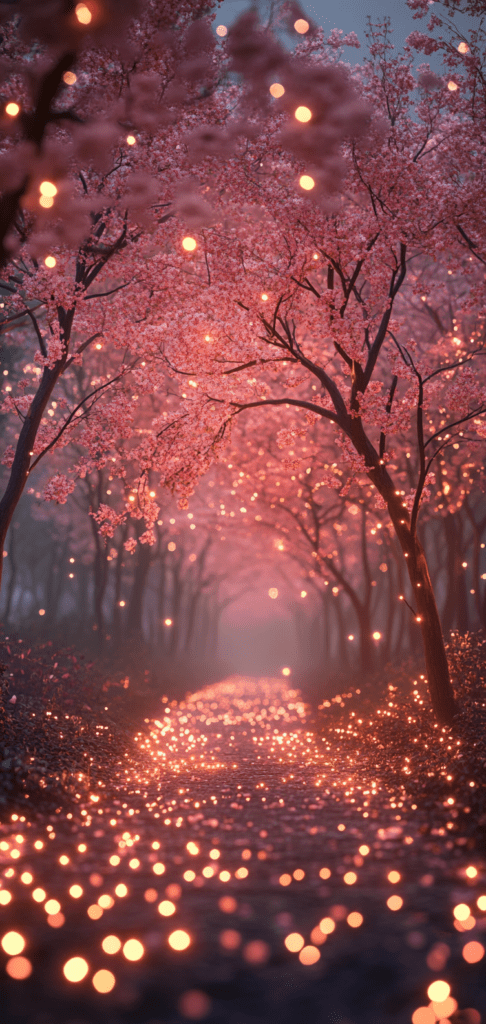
{"type": "Point", "coordinates": [277, 90]}
{"type": "Point", "coordinates": [327, 925]}
{"type": "Point", "coordinates": [471, 871]}
{"type": "Point", "coordinates": [189, 876]}
{"type": "Point", "coordinates": [294, 942]}
{"type": "Point", "coordinates": [241, 873]}
{"type": "Point", "coordinates": [221, 30]}
{"type": "Point", "coordinates": [26, 877]}
{"type": "Point", "coordinates": [230, 939]}
{"type": "Point", "coordinates": [192, 848]}
{"type": "Point", "coordinates": [94, 912]}
{"type": "Point", "coordinates": [350, 878]}
{"type": "Point", "coordinates": [215, 854]}
{"type": "Point", "coordinates": [83, 14]}
{"type": "Point", "coordinates": [394, 902]}
{"type": "Point", "coordinates": [208, 871]}
{"type": "Point", "coordinates": [473, 952]}
{"type": "Point", "coordinates": [158, 868]}
{"type": "Point", "coordinates": [285, 879]}
{"type": "Point", "coordinates": [324, 873]}
{"type": "Point", "coordinates": [104, 981]}
{"type": "Point", "coordinates": [111, 944]}
{"type": "Point", "coordinates": [75, 969]}
{"type": "Point", "coordinates": [394, 876]}
{"type": "Point", "coordinates": [121, 889]}
{"type": "Point", "coordinates": [461, 912]}
{"type": "Point", "coordinates": [189, 243]}
{"type": "Point", "coordinates": [309, 955]}
{"type": "Point", "coordinates": [424, 1015]}
{"type": "Point", "coordinates": [13, 943]}
{"type": "Point", "coordinates": [76, 891]}
{"type": "Point", "coordinates": [481, 902]}
{"type": "Point", "coordinates": [194, 1004]}
{"type": "Point", "coordinates": [179, 939]}
{"type": "Point", "coordinates": [48, 188]}
{"type": "Point", "coordinates": [227, 904]}
{"type": "Point", "coordinates": [19, 967]}
{"type": "Point", "coordinates": [256, 952]}
{"type": "Point", "coordinates": [306, 182]}
{"type": "Point", "coordinates": [12, 109]}
{"type": "Point", "coordinates": [301, 26]}
{"type": "Point", "coordinates": [52, 906]}
{"type": "Point", "coordinates": [133, 949]}
{"type": "Point", "coordinates": [106, 901]}
{"type": "Point", "coordinates": [166, 908]}
{"type": "Point", "coordinates": [355, 919]}
{"type": "Point", "coordinates": [364, 850]}
{"type": "Point", "coordinates": [303, 114]}
{"type": "Point", "coordinates": [39, 895]}
{"type": "Point", "coordinates": [438, 991]}
{"type": "Point", "coordinates": [5, 897]}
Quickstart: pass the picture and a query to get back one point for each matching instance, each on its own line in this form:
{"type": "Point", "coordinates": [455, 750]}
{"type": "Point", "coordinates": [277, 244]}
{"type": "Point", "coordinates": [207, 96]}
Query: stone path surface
{"type": "Point", "coordinates": [239, 870]}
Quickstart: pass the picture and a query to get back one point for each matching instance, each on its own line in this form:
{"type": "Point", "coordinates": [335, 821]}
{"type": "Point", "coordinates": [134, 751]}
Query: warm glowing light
{"type": "Point", "coordinates": [13, 943]}
{"type": "Point", "coordinates": [350, 877]}
{"type": "Point", "coordinates": [39, 895]}
{"type": "Point", "coordinates": [76, 891]}
{"type": "Point", "coordinates": [221, 30]}
{"type": "Point", "coordinates": [355, 919]}
{"type": "Point", "coordinates": [19, 967]}
{"type": "Point", "coordinates": [438, 991]}
{"type": "Point", "coordinates": [463, 48]}
{"type": "Point", "coordinates": [394, 902]}
{"type": "Point", "coordinates": [111, 944]}
{"type": "Point", "coordinates": [48, 188]}
{"type": "Point", "coordinates": [166, 908]}
{"type": "Point", "coordinates": [241, 873]}
{"type": "Point", "coordinates": [273, 593]}
{"type": "Point", "coordinates": [215, 854]}
{"type": "Point", "coordinates": [424, 1015]}
{"type": "Point", "coordinates": [50, 261]}
{"type": "Point", "coordinates": [303, 114]}
{"type": "Point", "coordinates": [5, 897]}
{"type": "Point", "coordinates": [189, 243]}
{"type": "Point", "coordinates": [303, 593]}
{"type": "Point", "coordinates": [461, 912]}
{"type": "Point", "coordinates": [286, 671]}
{"type": "Point", "coordinates": [12, 109]}
{"type": "Point", "coordinates": [301, 26]}
{"type": "Point", "coordinates": [393, 876]}
{"type": "Point", "coordinates": [473, 952]}
{"type": "Point", "coordinates": [106, 901]}
{"type": "Point", "coordinates": [324, 873]}
{"type": "Point", "coordinates": [121, 889]}
{"type": "Point", "coordinates": [376, 635]}
{"type": "Point", "coordinates": [229, 938]}
{"type": "Point", "coordinates": [277, 90]}
{"type": "Point", "coordinates": [69, 78]}
{"type": "Point", "coordinates": [83, 14]}
{"type": "Point", "coordinates": [294, 942]}
{"type": "Point", "coordinates": [306, 182]}
{"type": "Point", "coordinates": [481, 902]}
{"type": "Point", "coordinates": [131, 140]}
{"type": "Point", "coordinates": [471, 871]}
{"type": "Point", "coordinates": [158, 868]}
{"type": "Point", "coordinates": [26, 877]}
{"type": "Point", "coordinates": [192, 848]}
{"type": "Point", "coordinates": [327, 925]}
{"type": "Point", "coordinates": [452, 86]}
{"type": "Point", "coordinates": [52, 906]}
{"type": "Point", "coordinates": [133, 949]}
{"type": "Point", "coordinates": [167, 622]}
{"type": "Point", "coordinates": [104, 981]}
{"type": "Point", "coordinates": [179, 939]}
{"type": "Point", "coordinates": [309, 955]}
{"type": "Point", "coordinates": [364, 850]}
{"type": "Point", "coordinates": [75, 969]}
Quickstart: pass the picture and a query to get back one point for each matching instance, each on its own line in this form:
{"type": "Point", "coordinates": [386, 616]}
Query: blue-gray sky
{"type": "Point", "coordinates": [350, 15]}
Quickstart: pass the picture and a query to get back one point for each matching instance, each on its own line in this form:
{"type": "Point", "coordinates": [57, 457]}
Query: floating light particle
{"type": "Point", "coordinates": [133, 949]}
{"type": "Point", "coordinates": [158, 868]}
{"type": "Point", "coordinates": [114, 859]}
{"type": "Point", "coordinates": [131, 140]}
{"type": "Point", "coordinates": [393, 876]}
{"type": "Point", "coordinates": [294, 942]}
{"type": "Point", "coordinates": [303, 114]}
{"type": "Point", "coordinates": [121, 889]}
{"type": "Point", "coordinates": [83, 14]}
{"type": "Point", "coordinates": [12, 109]}
{"type": "Point", "coordinates": [111, 944]}
{"type": "Point", "coordinates": [227, 904]}
{"type": "Point", "coordinates": [179, 939]}
{"type": "Point", "coordinates": [26, 877]}
{"type": "Point", "coordinates": [75, 969]}
{"type": "Point", "coordinates": [192, 848]}
{"type": "Point", "coordinates": [276, 90]}
{"type": "Point", "coordinates": [221, 30]}
{"type": "Point", "coordinates": [52, 906]}
{"type": "Point", "coordinates": [471, 871]}
{"type": "Point", "coordinates": [423, 1015]}
{"type": "Point", "coordinates": [327, 925]}
{"type": "Point", "coordinates": [69, 78]}
{"type": "Point", "coordinates": [285, 879]}
{"type": "Point", "coordinates": [224, 876]}
{"type": "Point", "coordinates": [5, 897]}
{"type": "Point", "coordinates": [307, 182]}
{"type": "Point", "coordinates": [166, 908]}
{"type": "Point", "coordinates": [309, 955]}
{"type": "Point", "coordinates": [273, 593]}
{"type": "Point", "coordinates": [106, 901]}
{"type": "Point", "coordinates": [324, 873]}
{"type": "Point", "coordinates": [189, 244]}
{"type": "Point", "coordinates": [230, 939]}
{"type": "Point", "coordinates": [301, 26]}
{"type": "Point", "coordinates": [364, 850]}
{"type": "Point", "coordinates": [208, 871]}
{"type": "Point", "coordinates": [48, 188]}
{"type": "Point", "coordinates": [13, 943]}
{"type": "Point", "coordinates": [350, 877]}
{"type": "Point", "coordinates": [39, 895]}
{"type": "Point", "coordinates": [438, 991]}
{"type": "Point", "coordinates": [134, 863]}
{"type": "Point", "coordinates": [94, 912]}
{"type": "Point", "coordinates": [189, 876]}
{"type": "Point", "coordinates": [355, 919]}
{"type": "Point", "coordinates": [256, 952]}
{"type": "Point", "coordinates": [104, 981]}
{"type": "Point", "coordinates": [461, 912]}
{"type": "Point", "coordinates": [76, 891]}
{"type": "Point", "coordinates": [241, 873]}
{"type": "Point", "coordinates": [63, 859]}
{"type": "Point", "coordinates": [215, 854]}
{"type": "Point", "coordinates": [463, 47]}
{"type": "Point", "coordinates": [473, 952]}
{"type": "Point", "coordinates": [286, 671]}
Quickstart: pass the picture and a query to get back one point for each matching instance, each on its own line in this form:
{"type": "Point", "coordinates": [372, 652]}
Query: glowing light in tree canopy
{"type": "Point", "coordinates": [189, 243]}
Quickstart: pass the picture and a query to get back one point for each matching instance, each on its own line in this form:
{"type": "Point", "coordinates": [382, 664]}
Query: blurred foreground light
{"type": "Point", "coordinates": [276, 90]}
{"type": "Point", "coordinates": [273, 593]}
{"type": "Point", "coordinates": [13, 943]}
{"type": "Point", "coordinates": [104, 981]}
{"type": "Point", "coordinates": [309, 955]}
{"type": "Point", "coordinates": [286, 671]}
{"type": "Point", "coordinates": [221, 30]}
{"type": "Point", "coordinates": [133, 949]}
{"type": "Point", "coordinates": [179, 939]}
{"type": "Point", "coordinates": [75, 969]}
{"type": "Point", "coordinates": [111, 944]}
{"type": "Point", "coordinates": [189, 243]}
{"type": "Point", "coordinates": [306, 182]}
{"type": "Point", "coordinates": [301, 26]}
{"type": "Point", "coordinates": [303, 114]}
{"type": "Point", "coordinates": [12, 109]}
{"type": "Point", "coordinates": [83, 14]}
{"type": "Point", "coordinates": [473, 952]}
{"type": "Point", "coordinates": [19, 967]}
{"type": "Point", "coordinates": [438, 991]}
{"type": "Point", "coordinates": [194, 1004]}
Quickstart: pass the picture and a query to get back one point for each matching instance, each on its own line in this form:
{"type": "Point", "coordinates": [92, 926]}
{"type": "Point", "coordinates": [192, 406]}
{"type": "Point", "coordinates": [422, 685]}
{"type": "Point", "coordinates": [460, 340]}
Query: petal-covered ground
{"type": "Point", "coordinates": [240, 869]}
